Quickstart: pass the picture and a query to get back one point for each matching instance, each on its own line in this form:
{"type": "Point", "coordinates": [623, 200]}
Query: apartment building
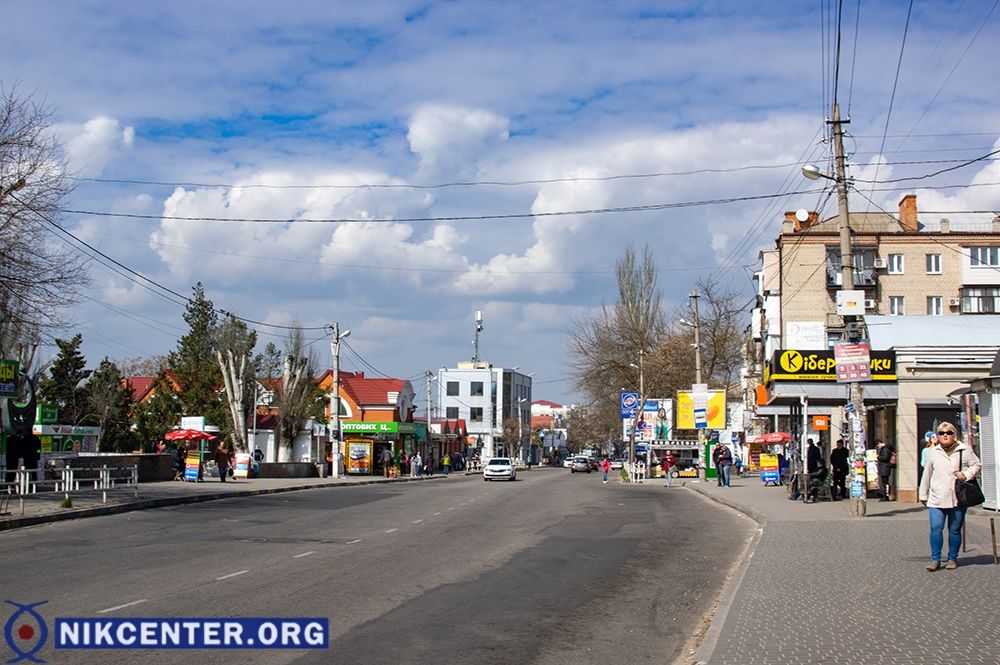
{"type": "Point", "coordinates": [913, 269]}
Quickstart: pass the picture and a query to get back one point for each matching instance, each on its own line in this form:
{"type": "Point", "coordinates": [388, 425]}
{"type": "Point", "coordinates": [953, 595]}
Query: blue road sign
{"type": "Point", "coordinates": [629, 404]}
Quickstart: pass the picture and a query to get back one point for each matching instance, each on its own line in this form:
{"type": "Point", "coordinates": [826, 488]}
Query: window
{"type": "Point", "coordinates": [477, 389]}
{"type": "Point", "coordinates": [451, 412]}
{"type": "Point", "coordinates": [985, 300]}
{"type": "Point", "coordinates": [933, 264]}
{"type": "Point", "coordinates": [895, 305]}
{"type": "Point", "coordinates": [895, 264]}
{"type": "Point", "coordinates": [985, 256]}
{"type": "Point", "coordinates": [476, 414]}
{"type": "Point", "coordinates": [452, 388]}
{"type": "Point", "coordinates": [934, 305]}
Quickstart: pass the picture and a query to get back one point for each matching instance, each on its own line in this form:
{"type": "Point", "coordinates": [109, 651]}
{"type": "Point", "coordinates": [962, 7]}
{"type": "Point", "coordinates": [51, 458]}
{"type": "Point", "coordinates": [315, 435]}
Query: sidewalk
{"type": "Point", "coordinates": [820, 586]}
{"type": "Point", "coordinates": [45, 507]}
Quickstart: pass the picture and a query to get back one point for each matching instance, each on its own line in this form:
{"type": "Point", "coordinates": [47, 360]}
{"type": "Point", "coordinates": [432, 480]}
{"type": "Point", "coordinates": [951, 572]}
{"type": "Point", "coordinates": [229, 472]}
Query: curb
{"type": "Point", "coordinates": [145, 504]}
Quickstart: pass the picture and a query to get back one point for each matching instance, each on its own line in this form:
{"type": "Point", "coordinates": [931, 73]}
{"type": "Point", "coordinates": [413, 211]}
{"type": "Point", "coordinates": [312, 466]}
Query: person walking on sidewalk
{"type": "Point", "coordinates": [222, 460]}
{"type": "Point", "coordinates": [667, 464]}
{"type": "Point", "coordinates": [446, 463]}
{"type": "Point", "coordinates": [386, 460]}
{"type": "Point", "coordinates": [838, 462]}
{"type": "Point", "coordinates": [949, 460]}
{"type": "Point", "coordinates": [415, 465]}
{"type": "Point", "coordinates": [886, 456]}
{"type": "Point", "coordinates": [605, 467]}
{"type": "Point", "coordinates": [726, 464]}
{"type": "Point", "coordinates": [717, 463]}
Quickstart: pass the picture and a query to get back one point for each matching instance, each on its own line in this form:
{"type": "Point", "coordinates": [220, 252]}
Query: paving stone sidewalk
{"type": "Point", "coordinates": [821, 586]}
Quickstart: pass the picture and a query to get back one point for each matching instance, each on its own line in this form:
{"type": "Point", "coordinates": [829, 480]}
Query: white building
{"type": "Point", "coordinates": [484, 396]}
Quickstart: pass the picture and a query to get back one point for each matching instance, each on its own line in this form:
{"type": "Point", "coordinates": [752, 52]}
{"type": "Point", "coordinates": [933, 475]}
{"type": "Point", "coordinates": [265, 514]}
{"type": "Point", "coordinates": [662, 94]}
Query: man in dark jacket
{"type": "Point", "coordinates": [839, 463]}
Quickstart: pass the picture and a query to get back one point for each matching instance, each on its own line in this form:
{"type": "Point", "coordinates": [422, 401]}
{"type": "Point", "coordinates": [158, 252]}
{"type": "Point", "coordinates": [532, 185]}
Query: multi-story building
{"type": "Point", "coordinates": [485, 396]}
{"type": "Point", "coordinates": [911, 266]}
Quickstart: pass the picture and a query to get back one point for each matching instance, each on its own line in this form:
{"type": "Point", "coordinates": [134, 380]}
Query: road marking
{"type": "Point", "coordinates": [417, 521]}
{"type": "Point", "coordinates": [356, 540]}
{"type": "Point", "coordinates": [226, 577]}
{"type": "Point", "coordinates": [435, 514]}
{"type": "Point", "coordinates": [451, 508]}
{"type": "Point", "coordinates": [391, 530]}
{"type": "Point", "coordinates": [299, 556]}
{"type": "Point", "coordinates": [118, 607]}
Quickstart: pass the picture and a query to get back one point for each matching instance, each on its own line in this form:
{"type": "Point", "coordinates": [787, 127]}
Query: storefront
{"type": "Point", "coordinates": [689, 453]}
{"type": "Point", "coordinates": [364, 443]}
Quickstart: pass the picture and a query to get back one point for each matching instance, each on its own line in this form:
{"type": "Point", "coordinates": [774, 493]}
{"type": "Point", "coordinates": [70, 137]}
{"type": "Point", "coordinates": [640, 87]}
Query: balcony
{"type": "Point", "coordinates": [864, 277]}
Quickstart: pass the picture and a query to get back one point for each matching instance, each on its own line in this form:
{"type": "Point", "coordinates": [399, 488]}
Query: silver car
{"type": "Point", "coordinates": [500, 467]}
{"type": "Point", "coordinates": [580, 463]}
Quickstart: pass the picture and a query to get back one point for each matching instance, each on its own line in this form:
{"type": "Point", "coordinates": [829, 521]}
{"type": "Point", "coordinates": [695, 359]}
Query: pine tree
{"type": "Point", "coordinates": [111, 400]}
{"type": "Point", "coordinates": [63, 386]}
{"type": "Point", "coordinates": [194, 362]}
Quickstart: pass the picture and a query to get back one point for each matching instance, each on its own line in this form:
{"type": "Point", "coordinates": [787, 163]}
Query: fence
{"type": "Point", "coordinates": [66, 479]}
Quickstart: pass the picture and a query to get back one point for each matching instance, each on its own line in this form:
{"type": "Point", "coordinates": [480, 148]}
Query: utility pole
{"type": "Point", "coordinates": [859, 503]}
{"type": "Point", "coordinates": [335, 398]}
{"type": "Point", "coordinates": [639, 412]}
{"type": "Point", "coordinates": [428, 406]}
{"type": "Point", "coordinates": [697, 364]}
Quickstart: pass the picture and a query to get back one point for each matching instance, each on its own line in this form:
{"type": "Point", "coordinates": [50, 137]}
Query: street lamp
{"type": "Point", "coordinates": [335, 398]}
{"type": "Point", "coordinates": [520, 432]}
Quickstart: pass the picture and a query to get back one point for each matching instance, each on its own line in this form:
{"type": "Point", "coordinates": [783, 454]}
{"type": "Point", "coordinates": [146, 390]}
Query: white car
{"type": "Point", "coordinates": [500, 467]}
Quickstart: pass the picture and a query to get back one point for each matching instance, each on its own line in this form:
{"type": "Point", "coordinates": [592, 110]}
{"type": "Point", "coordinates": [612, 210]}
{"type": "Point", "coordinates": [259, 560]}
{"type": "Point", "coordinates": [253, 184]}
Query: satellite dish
{"type": "Point", "coordinates": [802, 214]}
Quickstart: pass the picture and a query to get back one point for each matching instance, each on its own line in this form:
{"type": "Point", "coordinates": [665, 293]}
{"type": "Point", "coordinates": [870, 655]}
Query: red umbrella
{"type": "Point", "coordinates": [188, 435]}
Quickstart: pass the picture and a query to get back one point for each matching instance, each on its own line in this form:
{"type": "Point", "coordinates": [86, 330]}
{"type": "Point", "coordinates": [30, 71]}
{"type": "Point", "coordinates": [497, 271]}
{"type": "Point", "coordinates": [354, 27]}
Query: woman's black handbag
{"type": "Point", "coordinates": [967, 492]}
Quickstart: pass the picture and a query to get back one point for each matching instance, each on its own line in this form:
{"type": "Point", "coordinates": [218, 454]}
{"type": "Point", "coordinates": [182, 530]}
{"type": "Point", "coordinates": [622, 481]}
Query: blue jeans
{"type": "Point", "coordinates": [956, 517]}
{"type": "Point", "coordinates": [725, 474]}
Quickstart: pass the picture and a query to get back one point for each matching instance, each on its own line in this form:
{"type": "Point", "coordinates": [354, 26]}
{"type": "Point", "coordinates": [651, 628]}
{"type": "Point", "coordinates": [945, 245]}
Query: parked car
{"type": "Point", "coordinates": [500, 467]}
{"type": "Point", "coordinates": [568, 463]}
{"type": "Point", "coordinates": [617, 463]}
{"type": "Point", "coordinates": [579, 463]}
{"type": "Point", "coordinates": [593, 462]}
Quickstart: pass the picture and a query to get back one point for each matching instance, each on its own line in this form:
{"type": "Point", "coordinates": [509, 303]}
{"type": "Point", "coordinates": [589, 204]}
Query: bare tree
{"type": "Point", "coordinates": [39, 278]}
{"type": "Point", "coordinates": [606, 347]}
{"type": "Point", "coordinates": [233, 345]}
{"type": "Point", "coordinates": [296, 397]}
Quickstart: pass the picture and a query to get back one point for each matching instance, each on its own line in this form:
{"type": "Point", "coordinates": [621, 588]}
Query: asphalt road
{"type": "Point", "coordinates": [552, 568]}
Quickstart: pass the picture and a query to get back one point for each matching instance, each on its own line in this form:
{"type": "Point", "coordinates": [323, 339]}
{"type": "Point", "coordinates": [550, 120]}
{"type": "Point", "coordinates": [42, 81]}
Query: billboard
{"type": "Point", "coordinates": [716, 412]}
{"type": "Point", "coordinates": [656, 422]}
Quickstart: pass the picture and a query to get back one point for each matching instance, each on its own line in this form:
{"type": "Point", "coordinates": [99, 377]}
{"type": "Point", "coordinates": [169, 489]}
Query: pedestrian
{"type": "Point", "coordinates": [886, 456]}
{"type": "Point", "coordinates": [386, 460]}
{"type": "Point", "coordinates": [930, 440]}
{"type": "Point", "coordinates": [258, 458]}
{"type": "Point", "coordinates": [816, 479]}
{"type": "Point", "coordinates": [429, 464]}
{"type": "Point", "coordinates": [726, 465]}
{"type": "Point", "coordinates": [667, 464]}
{"type": "Point", "coordinates": [161, 447]}
{"type": "Point", "coordinates": [717, 463]}
{"type": "Point", "coordinates": [948, 460]}
{"type": "Point", "coordinates": [605, 467]}
{"type": "Point", "coordinates": [838, 462]}
{"type": "Point", "coordinates": [415, 465]}
{"type": "Point", "coordinates": [221, 456]}
{"type": "Point", "coordinates": [446, 463]}
{"type": "Point", "coordinates": [180, 461]}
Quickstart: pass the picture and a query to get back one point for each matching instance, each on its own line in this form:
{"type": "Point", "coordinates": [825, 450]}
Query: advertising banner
{"type": "Point", "coordinates": [655, 422]}
{"type": "Point", "coordinates": [629, 404]}
{"type": "Point", "coordinates": [242, 468]}
{"type": "Point", "coordinates": [359, 457]}
{"type": "Point", "coordinates": [8, 378]}
{"type": "Point", "coordinates": [802, 365]}
{"type": "Point", "coordinates": [769, 472]}
{"type": "Point", "coordinates": [715, 412]}
{"type": "Point", "coordinates": [192, 466]}
{"type": "Point", "coordinates": [852, 362]}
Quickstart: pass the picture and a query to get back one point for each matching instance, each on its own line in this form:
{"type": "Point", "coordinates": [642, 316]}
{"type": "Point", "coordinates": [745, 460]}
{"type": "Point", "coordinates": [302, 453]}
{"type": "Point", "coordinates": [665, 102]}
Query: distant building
{"type": "Point", "coordinates": [484, 397]}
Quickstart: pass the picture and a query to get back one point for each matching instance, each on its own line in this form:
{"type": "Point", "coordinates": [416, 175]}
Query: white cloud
{"type": "Point", "coordinates": [92, 145]}
{"type": "Point", "coordinates": [453, 137]}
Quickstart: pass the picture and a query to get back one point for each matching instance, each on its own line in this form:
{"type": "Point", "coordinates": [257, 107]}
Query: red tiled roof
{"type": "Point", "coordinates": [140, 386]}
{"type": "Point", "coordinates": [370, 391]}
{"type": "Point", "coordinates": [545, 402]}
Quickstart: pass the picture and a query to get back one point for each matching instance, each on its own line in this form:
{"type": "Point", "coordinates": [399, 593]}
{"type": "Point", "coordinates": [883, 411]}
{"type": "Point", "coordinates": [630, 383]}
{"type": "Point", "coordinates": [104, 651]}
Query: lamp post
{"type": "Point", "coordinates": [696, 324]}
{"type": "Point", "coordinates": [859, 506]}
{"type": "Point", "coordinates": [520, 426]}
{"type": "Point", "coordinates": [335, 398]}
{"type": "Point", "coordinates": [639, 411]}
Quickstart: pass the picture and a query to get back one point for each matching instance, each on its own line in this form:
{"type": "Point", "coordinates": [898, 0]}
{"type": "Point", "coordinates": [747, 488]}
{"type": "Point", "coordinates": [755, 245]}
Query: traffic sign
{"type": "Point", "coordinates": [629, 404]}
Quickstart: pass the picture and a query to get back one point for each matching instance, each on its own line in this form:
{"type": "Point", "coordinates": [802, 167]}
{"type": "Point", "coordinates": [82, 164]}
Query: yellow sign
{"type": "Point", "coordinates": [795, 365]}
{"type": "Point", "coordinates": [716, 410]}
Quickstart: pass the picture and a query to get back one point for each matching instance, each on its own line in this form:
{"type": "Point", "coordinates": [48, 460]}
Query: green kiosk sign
{"type": "Point", "coordinates": [8, 378]}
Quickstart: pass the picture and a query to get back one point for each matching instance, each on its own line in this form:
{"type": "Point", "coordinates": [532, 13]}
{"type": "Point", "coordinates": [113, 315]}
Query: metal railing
{"type": "Point", "coordinates": [68, 479]}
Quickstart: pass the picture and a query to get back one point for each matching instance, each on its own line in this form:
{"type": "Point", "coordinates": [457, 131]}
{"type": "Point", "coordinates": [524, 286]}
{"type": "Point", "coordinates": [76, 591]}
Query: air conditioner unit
{"type": "Point", "coordinates": [954, 302]}
{"type": "Point", "coordinates": [870, 303]}
{"type": "Point", "coordinates": [879, 264]}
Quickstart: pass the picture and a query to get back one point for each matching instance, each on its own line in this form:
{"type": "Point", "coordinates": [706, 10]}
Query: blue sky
{"type": "Point", "coordinates": [367, 111]}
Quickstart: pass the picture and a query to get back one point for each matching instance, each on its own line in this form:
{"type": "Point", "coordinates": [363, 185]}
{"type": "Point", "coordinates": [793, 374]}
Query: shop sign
{"type": "Point", "coordinates": [47, 414]}
{"type": "Point", "coordinates": [369, 428]}
{"type": "Point", "coordinates": [8, 378]}
{"type": "Point", "coordinates": [820, 423]}
{"type": "Point", "coordinates": [769, 472]}
{"type": "Point", "coordinates": [796, 365]}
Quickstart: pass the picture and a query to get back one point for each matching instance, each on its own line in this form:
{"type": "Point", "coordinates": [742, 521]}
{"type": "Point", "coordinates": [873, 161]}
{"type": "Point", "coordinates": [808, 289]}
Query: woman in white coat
{"type": "Point", "coordinates": [949, 460]}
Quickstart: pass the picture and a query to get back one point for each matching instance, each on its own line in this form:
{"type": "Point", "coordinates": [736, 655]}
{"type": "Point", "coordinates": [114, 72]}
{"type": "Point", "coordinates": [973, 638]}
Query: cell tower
{"type": "Point", "coordinates": [479, 329]}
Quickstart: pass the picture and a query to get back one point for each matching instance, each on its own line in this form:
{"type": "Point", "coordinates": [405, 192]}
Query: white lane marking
{"type": "Point", "coordinates": [417, 521]}
{"type": "Point", "coordinates": [118, 607]}
{"type": "Point", "coordinates": [356, 540]}
{"type": "Point", "coordinates": [391, 530]}
{"type": "Point", "coordinates": [299, 556]}
{"type": "Point", "coordinates": [452, 508]}
{"type": "Point", "coordinates": [226, 577]}
{"type": "Point", "coordinates": [435, 514]}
